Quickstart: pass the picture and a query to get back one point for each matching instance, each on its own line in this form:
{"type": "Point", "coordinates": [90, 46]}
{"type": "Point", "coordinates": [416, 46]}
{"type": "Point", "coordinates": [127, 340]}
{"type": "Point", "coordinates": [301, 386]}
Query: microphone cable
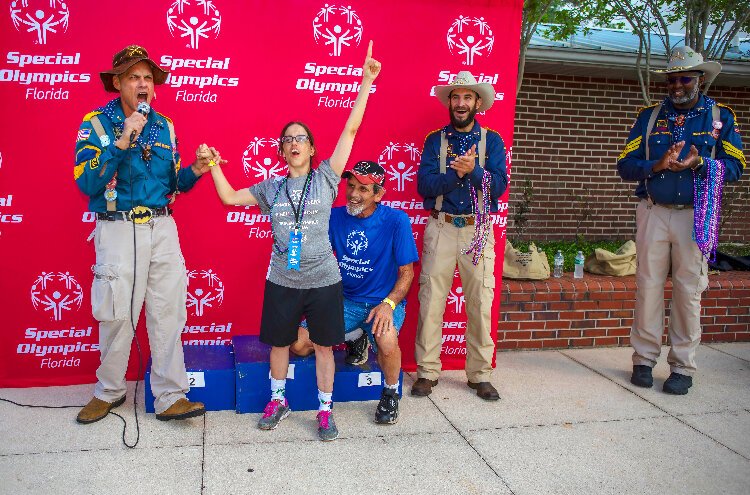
{"type": "Point", "coordinates": [132, 301]}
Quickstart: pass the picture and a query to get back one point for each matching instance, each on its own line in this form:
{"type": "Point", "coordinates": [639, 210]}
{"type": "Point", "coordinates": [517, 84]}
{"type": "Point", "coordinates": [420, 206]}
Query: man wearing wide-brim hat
{"type": "Point", "coordinates": [127, 162]}
{"type": "Point", "coordinates": [681, 152]}
{"type": "Point", "coordinates": [461, 176]}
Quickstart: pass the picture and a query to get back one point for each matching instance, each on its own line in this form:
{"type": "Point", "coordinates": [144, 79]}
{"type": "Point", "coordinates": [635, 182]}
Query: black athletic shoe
{"type": "Point", "coordinates": [642, 376]}
{"type": "Point", "coordinates": [356, 350]}
{"type": "Point", "coordinates": [387, 411]}
{"type": "Point", "coordinates": [678, 384]}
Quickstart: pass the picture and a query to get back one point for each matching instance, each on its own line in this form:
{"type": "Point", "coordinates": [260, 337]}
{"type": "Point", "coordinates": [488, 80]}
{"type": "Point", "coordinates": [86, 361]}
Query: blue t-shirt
{"type": "Point", "coordinates": [370, 250]}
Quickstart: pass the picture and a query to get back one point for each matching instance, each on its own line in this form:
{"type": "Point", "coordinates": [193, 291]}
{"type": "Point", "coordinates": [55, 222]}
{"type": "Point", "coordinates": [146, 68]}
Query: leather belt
{"type": "Point", "coordinates": [458, 221]}
{"type": "Point", "coordinates": [673, 206]}
{"type": "Point", "coordinates": [139, 214]}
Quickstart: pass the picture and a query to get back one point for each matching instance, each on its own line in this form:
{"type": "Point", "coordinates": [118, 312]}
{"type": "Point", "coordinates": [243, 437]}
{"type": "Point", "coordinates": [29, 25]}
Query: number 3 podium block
{"type": "Point", "coordinates": [351, 383]}
{"type": "Point", "coordinates": [359, 383]}
{"type": "Point", "coordinates": [211, 377]}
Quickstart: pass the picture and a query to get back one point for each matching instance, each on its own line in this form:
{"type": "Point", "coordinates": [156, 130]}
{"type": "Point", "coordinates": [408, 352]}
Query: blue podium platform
{"type": "Point", "coordinates": [253, 382]}
{"type": "Point", "coordinates": [211, 375]}
{"type": "Point", "coordinates": [253, 378]}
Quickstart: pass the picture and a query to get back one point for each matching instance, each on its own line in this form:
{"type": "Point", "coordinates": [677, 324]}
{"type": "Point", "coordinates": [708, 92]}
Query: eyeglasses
{"type": "Point", "coordinates": [300, 139]}
{"type": "Point", "coordinates": [682, 79]}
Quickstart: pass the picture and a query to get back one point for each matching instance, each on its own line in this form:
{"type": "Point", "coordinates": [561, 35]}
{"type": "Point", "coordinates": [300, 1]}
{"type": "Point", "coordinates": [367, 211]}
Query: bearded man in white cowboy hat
{"type": "Point", "coordinates": [681, 152]}
{"type": "Point", "coordinates": [461, 176]}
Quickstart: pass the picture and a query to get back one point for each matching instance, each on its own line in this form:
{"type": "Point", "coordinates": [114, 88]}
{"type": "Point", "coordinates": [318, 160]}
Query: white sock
{"type": "Point", "coordinates": [394, 387]}
{"type": "Point", "coordinates": [353, 335]}
{"type": "Point", "coordinates": [278, 389]}
{"type": "Point", "coordinates": [326, 400]}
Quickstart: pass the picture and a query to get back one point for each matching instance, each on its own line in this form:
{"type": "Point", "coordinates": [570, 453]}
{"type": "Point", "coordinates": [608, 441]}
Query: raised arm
{"type": "Point", "coordinates": [370, 71]}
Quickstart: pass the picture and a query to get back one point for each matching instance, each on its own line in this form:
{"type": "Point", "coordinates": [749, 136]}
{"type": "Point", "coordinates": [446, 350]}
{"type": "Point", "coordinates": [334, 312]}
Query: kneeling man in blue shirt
{"type": "Point", "coordinates": [375, 249]}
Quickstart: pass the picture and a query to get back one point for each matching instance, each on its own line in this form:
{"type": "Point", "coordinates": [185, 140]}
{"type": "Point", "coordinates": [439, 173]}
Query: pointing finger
{"type": "Point", "coordinates": [369, 50]}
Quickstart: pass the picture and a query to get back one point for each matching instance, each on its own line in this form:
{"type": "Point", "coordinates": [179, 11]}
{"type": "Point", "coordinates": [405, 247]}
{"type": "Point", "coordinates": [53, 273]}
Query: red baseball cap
{"type": "Point", "coordinates": [366, 172]}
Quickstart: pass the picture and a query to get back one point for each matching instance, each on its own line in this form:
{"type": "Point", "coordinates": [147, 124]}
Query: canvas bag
{"type": "Point", "coordinates": [525, 266]}
{"type": "Point", "coordinates": [618, 264]}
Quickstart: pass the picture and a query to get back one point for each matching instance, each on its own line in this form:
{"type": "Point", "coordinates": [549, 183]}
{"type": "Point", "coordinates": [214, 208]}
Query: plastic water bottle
{"type": "Point", "coordinates": [559, 260]}
{"type": "Point", "coordinates": [578, 273]}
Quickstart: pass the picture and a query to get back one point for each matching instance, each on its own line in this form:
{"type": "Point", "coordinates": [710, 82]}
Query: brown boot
{"type": "Point", "coordinates": [423, 387]}
{"type": "Point", "coordinates": [97, 409]}
{"type": "Point", "coordinates": [485, 390]}
{"type": "Point", "coordinates": [182, 409]}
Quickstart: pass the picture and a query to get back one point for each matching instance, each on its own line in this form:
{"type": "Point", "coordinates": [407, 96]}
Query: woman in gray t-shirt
{"type": "Point", "coordinates": [303, 276]}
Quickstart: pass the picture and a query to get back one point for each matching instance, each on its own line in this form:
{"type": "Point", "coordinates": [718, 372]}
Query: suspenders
{"type": "Point", "coordinates": [444, 160]}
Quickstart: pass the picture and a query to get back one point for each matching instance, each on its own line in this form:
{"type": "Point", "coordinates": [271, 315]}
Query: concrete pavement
{"type": "Point", "coordinates": [569, 422]}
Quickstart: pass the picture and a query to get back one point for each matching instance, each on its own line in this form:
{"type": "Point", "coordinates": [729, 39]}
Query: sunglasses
{"type": "Point", "coordinates": [681, 79]}
{"type": "Point", "coordinates": [300, 139]}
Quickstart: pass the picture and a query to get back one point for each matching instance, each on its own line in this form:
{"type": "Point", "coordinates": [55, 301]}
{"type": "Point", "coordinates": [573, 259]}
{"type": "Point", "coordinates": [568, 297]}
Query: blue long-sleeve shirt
{"type": "Point", "coordinates": [150, 183]}
{"type": "Point", "coordinates": [455, 190]}
{"type": "Point", "coordinates": [667, 187]}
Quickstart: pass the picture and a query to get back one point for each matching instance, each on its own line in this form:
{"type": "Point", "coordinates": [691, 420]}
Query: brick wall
{"type": "Point", "coordinates": [598, 311]}
{"type": "Point", "coordinates": [569, 132]}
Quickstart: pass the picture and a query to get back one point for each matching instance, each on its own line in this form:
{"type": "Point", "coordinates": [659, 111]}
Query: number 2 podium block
{"type": "Point", "coordinates": [351, 383]}
{"type": "Point", "coordinates": [211, 377]}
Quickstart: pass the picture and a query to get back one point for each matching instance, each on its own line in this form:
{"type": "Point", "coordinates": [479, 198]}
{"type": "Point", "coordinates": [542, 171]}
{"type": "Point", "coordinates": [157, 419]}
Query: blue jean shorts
{"type": "Point", "coordinates": [355, 314]}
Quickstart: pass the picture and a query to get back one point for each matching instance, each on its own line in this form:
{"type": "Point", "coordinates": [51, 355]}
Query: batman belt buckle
{"type": "Point", "coordinates": [459, 222]}
{"type": "Point", "coordinates": [140, 214]}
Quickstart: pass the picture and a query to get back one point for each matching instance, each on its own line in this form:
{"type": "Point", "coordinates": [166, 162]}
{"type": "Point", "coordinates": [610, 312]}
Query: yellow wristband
{"type": "Point", "coordinates": [390, 303]}
{"type": "Point", "coordinates": [211, 164]}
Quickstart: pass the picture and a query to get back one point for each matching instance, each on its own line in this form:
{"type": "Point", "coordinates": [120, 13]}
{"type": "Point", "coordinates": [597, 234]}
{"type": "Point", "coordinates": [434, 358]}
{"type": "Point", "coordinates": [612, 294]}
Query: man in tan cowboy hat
{"type": "Point", "coordinates": [681, 152]}
{"type": "Point", "coordinates": [461, 176]}
{"type": "Point", "coordinates": [127, 162]}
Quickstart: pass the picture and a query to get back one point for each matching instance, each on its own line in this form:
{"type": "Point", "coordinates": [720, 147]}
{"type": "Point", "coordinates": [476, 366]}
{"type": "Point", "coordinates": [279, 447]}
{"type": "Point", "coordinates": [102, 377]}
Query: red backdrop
{"type": "Point", "coordinates": [240, 71]}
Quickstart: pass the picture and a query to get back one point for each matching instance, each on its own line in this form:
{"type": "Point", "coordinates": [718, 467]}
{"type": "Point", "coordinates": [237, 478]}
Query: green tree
{"type": "Point", "coordinates": [710, 27]}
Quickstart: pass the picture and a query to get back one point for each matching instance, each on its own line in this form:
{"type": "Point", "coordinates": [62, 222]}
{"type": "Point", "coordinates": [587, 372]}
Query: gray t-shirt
{"type": "Point", "coordinates": [318, 266]}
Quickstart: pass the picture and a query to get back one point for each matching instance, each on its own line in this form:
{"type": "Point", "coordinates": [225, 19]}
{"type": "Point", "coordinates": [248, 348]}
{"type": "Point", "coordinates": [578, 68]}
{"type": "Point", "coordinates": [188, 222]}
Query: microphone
{"type": "Point", "coordinates": [143, 109]}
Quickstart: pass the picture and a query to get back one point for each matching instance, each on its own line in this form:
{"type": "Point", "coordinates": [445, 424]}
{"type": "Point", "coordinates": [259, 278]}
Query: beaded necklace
{"type": "Point", "coordinates": [303, 207]}
{"type": "Point", "coordinates": [707, 207]}
{"type": "Point", "coordinates": [483, 224]}
{"type": "Point", "coordinates": [110, 110]}
{"type": "Point", "coordinates": [679, 119]}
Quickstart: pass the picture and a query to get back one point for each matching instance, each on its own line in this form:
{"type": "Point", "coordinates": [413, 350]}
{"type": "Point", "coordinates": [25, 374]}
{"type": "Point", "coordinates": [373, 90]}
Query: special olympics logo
{"type": "Point", "coordinates": [356, 241]}
{"type": "Point", "coordinates": [400, 162]}
{"type": "Point", "coordinates": [469, 37]}
{"type": "Point", "coordinates": [205, 290]}
{"type": "Point", "coordinates": [337, 26]}
{"type": "Point", "coordinates": [194, 19]}
{"type": "Point", "coordinates": [42, 17]}
{"type": "Point", "coordinates": [456, 297]}
{"type": "Point", "coordinates": [261, 159]}
{"type": "Point", "coordinates": [56, 292]}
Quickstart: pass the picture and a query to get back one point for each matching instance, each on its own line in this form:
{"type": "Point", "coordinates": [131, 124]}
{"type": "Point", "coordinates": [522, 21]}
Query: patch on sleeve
{"type": "Point", "coordinates": [83, 134]}
{"type": "Point", "coordinates": [630, 147]}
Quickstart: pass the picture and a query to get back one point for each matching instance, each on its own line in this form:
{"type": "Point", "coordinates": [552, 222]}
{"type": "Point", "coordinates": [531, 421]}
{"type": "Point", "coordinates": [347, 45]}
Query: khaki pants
{"type": "Point", "coordinates": [664, 240]}
{"type": "Point", "coordinates": [441, 252]}
{"type": "Point", "coordinates": [161, 280]}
